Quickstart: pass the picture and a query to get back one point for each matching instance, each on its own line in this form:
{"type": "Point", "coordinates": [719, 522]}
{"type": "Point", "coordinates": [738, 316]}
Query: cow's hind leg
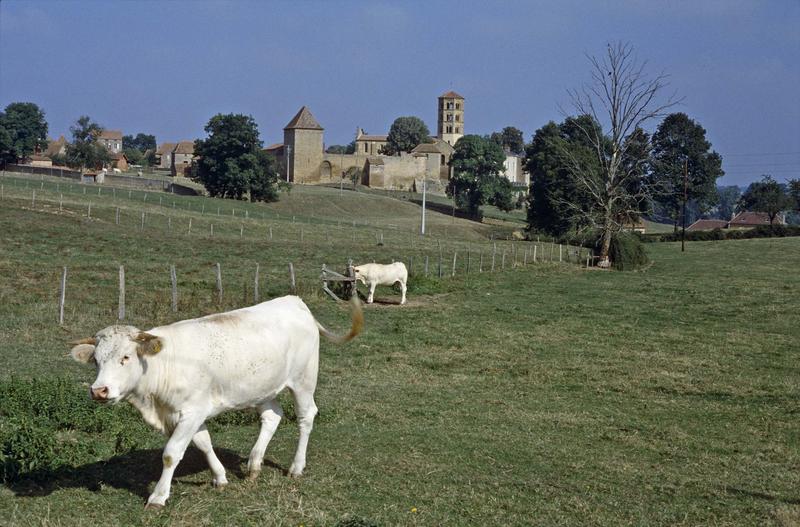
{"type": "Point", "coordinates": [271, 414]}
{"type": "Point", "coordinates": [403, 289]}
{"type": "Point", "coordinates": [372, 287]}
{"type": "Point", "coordinates": [306, 411]}
{"type": "Point", "coordinates": [202, 440]}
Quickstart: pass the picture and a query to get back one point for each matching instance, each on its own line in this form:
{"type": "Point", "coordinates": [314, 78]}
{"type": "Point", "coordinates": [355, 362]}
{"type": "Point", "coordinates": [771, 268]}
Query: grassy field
{"type": "Point", "coordinates": [538, 395]}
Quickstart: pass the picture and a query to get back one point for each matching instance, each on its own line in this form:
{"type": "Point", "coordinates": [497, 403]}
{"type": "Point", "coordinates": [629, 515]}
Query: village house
{"type": "Point", "coordinates": [111, 140]}
{"type": "Point", "coordinates": [742, 220]}
{"type": "Point", "coordinates": [182, 157]}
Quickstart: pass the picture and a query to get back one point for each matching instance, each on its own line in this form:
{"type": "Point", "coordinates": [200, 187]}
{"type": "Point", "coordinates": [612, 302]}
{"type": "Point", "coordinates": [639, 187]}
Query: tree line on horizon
{"type": "Point", "coordinates": [583, 177]}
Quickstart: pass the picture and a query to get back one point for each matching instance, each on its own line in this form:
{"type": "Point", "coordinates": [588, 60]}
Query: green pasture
{"type": "Point", "coordinates": [537, 394]}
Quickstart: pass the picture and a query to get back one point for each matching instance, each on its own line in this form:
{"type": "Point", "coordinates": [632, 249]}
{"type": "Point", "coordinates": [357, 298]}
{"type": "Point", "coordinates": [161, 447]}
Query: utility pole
{"type": "Point", "coordinates": [685, 198]}
{"type": "Point", "coordinates": [422, 230]}
{"type": "Point", "coordinates": [454, 195]}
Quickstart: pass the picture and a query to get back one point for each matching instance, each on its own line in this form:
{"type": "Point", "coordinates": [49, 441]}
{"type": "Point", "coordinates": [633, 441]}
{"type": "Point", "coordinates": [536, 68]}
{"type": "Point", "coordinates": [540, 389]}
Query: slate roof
{"type": "Point", "coordinates": [303, 120]}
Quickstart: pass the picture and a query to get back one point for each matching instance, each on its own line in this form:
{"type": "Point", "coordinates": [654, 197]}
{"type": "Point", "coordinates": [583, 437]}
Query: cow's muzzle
{"type": "Point", "coordinates": [99, 394]}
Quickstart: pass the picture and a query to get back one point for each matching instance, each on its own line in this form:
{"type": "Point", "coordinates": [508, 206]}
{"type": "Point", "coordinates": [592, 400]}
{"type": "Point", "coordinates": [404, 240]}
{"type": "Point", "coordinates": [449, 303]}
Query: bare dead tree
{"type": "Point", "coordinates": [620, 99]}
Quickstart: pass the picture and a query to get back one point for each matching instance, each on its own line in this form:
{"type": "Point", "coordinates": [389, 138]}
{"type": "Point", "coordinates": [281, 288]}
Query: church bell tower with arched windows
{"type": "Point", "coordinates": [450, 122]}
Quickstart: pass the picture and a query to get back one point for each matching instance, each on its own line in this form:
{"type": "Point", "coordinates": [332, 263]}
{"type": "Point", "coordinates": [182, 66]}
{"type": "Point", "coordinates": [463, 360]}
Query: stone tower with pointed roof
{"type": "Point", "coordinates": [450, 122]}
{"type": "Point", "coordinates": [303, 143]}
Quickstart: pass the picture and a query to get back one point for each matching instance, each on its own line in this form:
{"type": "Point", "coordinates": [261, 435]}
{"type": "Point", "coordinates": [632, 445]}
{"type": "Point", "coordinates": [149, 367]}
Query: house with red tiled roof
{"type": "Point", "coordinates": [743, 220]}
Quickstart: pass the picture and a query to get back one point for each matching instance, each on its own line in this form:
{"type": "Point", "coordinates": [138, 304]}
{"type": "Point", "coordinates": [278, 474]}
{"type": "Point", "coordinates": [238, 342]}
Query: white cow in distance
{"type": "Point", "coordinates": [182, 374]}
{"type": "Point", "coordinates": [373, 275]}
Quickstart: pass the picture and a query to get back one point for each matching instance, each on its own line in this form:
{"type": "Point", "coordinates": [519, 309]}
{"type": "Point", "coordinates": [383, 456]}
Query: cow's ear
{"type": "Point", "coordinates": [83, 353]}
{"type": "Point", "coordinates": [148, 344]}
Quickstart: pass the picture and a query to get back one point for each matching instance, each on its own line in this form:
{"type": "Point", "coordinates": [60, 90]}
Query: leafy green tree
{"type": "Point", "coordinates": [24, 131]}
{"type": "Point", "coordinates": [342, 149]}
{"type": "Point", "coordinates": [511, 139]}
{"type": "Point", "coordinates": [794, 192]}
{"type": "Point", "coordinates": [728, 198]}
{"type": "Point", "coordinates": [680, 140]}
{"type": "Point", "coordinates": [477, 176]}
{"type": "Point", "coordinates": [84, 151]}
{"type": "Point", "coordinates": [231, 163]}
{"type": "Point", "coordinates": [766, 196]}
{"type": "Point", "coordinates": [141, 142]}
{"type": "Point", "coordinates": [135, 148]}
{"type": "Point", "coordinates": [554, 197]}
{"type": "Point", "coordinates": [406, 134]}
{"type": "Point", "coordinates": [626, 97]}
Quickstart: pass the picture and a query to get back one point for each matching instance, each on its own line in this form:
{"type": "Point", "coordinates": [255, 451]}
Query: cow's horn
{"type": "Point", "coordinates": [144, 337]}
{"type": "Point", "coordinates": [90, 340]}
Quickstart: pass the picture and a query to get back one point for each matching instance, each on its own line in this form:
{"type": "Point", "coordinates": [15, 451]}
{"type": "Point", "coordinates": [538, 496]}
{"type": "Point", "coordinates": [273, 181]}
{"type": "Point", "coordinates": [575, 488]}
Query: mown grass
{"type": "Point", "coordinates": [540, 395]}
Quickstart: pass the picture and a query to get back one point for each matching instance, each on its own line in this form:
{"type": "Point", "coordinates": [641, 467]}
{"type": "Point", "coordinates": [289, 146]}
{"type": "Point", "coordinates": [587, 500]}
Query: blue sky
{"type": "Point", "coordinates": [166, 67]}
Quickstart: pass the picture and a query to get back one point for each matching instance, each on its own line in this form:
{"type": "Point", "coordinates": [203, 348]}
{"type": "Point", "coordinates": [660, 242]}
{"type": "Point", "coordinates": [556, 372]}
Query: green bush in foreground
{"type": "Point", "coordinates": [626, 252]}
{"type": "Point", "coordinates": [50, 423]}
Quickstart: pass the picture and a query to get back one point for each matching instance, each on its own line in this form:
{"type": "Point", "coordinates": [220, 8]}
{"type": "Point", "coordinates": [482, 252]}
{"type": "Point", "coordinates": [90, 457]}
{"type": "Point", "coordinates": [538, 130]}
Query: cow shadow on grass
{"type": "Point", "coordinates": [137, 472]}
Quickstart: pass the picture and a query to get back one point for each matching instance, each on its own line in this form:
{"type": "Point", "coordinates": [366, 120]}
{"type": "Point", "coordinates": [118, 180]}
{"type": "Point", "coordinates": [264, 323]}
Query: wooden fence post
{"type": "Point", "coordinates": [212, 230]}
{"type": "Point", "coordinates": [89, 213]}
{"type": "Point", "coordinates": [503, 262]}
{"type": "Point", "coordinates": [174, 279]}
{"type": "Point", "coordinates": [219, 284]}
{"type": "Point", "coordinates": [61, 203]}
{"type": "Point", "coordinates": [190, 225]}
{"type": "Point", "coordinates": [494, 253]}
{"type": "Point", "coordinates": [33, 199]}
{"type": "Point", "coordinates": [480, 263]}
{"type": "Point", "coordinates": [255, 287]}
{"type": "Point", "coordinates": [291, 276]}
{"type": "Point", "coordinates": [142, 220]}
{"type": "Point", "coordinates": [62, 297]}
{"type": "Point", "coordinates": [455, 253]}
{"type": "Point", "coordinates": [121, 305]}
{"type": "Point", "coordinates": [559, 253]}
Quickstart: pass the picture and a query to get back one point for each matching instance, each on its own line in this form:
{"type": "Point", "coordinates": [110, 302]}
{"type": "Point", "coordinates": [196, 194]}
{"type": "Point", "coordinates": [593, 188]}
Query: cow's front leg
{"type": "Point", "coordinates": [371, 291]}
{"type": "Point", "coordinates": [173, 453]}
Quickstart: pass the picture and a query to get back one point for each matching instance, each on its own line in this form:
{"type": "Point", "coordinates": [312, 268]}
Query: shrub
{"type": "Point", "coordinates": [46, 424]}
{"type": "Point", "coordinates": [627, 252]}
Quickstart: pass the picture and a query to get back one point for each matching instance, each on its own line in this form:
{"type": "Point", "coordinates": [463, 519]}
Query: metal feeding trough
{"type": "Point", "coordinates": [345, 284]}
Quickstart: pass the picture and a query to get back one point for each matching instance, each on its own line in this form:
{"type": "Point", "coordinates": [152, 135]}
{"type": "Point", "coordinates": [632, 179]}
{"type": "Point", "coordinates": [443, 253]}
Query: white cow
{"type": "Point", "coordinates": [179, 375]}
{"type": "Point", "coordinates": [373, 275]}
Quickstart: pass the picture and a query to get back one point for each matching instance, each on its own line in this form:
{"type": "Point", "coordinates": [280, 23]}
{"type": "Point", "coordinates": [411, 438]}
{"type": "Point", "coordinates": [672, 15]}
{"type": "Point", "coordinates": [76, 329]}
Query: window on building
{"type": "Point", "coordinates": [366, 147]}
{"type": "Point", "coordinates": [458, 118]}
{"type": "Point", "coordinates": [449, 129]}
{"type": "Point", "coordinates": [458, 129]}
{"type": "Point", "coordinates": [458, 106]}
{"type": "Point", "coordinates": [443, 160]}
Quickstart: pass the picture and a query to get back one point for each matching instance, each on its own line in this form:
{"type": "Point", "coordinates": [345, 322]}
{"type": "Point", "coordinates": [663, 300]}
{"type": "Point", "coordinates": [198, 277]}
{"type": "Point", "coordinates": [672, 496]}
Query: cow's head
{"type": "Point", "coordinates": [359, 275]}
{"type": "Point", "coordinates": [119, 354]}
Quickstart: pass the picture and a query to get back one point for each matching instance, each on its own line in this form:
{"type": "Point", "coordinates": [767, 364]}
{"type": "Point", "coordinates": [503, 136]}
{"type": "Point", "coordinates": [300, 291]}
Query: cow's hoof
{"type": "Point", "coordinates": [295, 475]}
{"type": "Point", "coordinates": [154, 506]}
{"type": "Point", "coordinates": [253, 475]}
{"type": "Point", "coordinates": [219, 484]}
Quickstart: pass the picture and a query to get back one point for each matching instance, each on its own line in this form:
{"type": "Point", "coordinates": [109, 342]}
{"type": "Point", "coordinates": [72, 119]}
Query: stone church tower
{"type": "Point", "coordinates": [450, 123]}
{"type": "Point", "coordinates": [303, 147]}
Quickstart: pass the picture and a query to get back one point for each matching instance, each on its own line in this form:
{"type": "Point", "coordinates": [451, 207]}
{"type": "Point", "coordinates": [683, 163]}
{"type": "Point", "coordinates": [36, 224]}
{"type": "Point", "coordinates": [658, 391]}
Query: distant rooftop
{"type": "Point", "coordinates": [303, 120]}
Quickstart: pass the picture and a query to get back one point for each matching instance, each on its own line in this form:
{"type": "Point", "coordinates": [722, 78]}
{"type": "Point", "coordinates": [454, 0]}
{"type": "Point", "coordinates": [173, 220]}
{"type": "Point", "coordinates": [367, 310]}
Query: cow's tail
{"type": "Point", "coordinates": [357, 324]}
